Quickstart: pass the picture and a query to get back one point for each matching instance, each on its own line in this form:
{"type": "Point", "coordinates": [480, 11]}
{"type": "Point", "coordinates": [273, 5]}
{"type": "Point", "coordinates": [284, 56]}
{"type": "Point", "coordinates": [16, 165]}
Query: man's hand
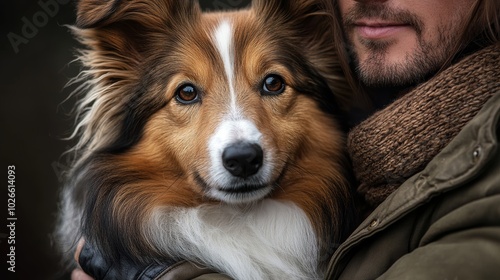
{"type": "Point", "coordinates": [78, 274]}
{"type": "Point", "coordinates": [92, 264]}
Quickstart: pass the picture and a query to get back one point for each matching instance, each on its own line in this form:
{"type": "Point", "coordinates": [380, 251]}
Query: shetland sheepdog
{"type": "Point", "coordinates": [209, 136]}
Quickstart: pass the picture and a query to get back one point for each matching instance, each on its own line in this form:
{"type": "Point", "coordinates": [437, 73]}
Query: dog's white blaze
{"type": "Point", "coordinates": [233, 128]}
{"type": "Point", "coordinates": [223, 37]}
{"type": "Point", "coordinates": [266, 240]}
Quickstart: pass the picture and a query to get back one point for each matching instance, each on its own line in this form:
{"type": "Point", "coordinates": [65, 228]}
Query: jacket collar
{"type": "Point", "coordinates": [454, 166]}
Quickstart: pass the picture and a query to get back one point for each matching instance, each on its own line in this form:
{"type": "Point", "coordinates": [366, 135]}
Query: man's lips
{"type": "Point", "coordinates": [378, 29]}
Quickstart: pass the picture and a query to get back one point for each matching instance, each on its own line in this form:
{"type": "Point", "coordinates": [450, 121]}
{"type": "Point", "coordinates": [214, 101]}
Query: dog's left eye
{"type": "Point", "coordinates": [187, 94]}
{"type": "Point", "coordinates": [272, 85]}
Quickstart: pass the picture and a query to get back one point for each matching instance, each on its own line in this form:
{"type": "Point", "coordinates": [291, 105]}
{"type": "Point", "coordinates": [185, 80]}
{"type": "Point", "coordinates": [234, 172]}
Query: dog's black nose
{"type": "Point", "coordinates": [243, 159]}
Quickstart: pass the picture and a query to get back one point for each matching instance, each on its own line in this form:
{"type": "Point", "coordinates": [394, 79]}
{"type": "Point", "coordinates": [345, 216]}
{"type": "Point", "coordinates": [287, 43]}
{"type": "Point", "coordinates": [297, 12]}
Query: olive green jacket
{"type": "Point", "coordinates": [442, 223]}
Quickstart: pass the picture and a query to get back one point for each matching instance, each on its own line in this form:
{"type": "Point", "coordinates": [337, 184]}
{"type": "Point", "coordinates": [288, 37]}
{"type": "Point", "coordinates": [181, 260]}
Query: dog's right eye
{"type": "Point", "coordinates": [187, 94]}
{"type": "Point", "coordinates": [272, 85]}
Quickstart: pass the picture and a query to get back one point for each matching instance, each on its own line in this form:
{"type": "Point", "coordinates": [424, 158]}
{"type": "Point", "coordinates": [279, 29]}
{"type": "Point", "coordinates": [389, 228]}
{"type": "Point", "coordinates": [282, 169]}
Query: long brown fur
{"type": "Point", "coordinates": [139, 149]}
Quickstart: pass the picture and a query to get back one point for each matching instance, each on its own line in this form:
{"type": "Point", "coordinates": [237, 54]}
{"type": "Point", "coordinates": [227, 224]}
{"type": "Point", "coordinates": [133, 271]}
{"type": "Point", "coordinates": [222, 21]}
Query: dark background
{"type": "Point", "coordinates": [33, 122]}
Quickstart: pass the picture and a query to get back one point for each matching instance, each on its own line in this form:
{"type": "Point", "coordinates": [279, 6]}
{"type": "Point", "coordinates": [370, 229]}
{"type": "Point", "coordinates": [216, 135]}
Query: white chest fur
{"type": "Point", "coordinates": [268, 240]}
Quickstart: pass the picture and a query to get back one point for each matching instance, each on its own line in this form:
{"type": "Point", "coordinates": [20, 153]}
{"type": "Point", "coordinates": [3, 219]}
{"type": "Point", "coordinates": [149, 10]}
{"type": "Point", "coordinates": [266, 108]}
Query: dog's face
{"type": "Point", "coordinates": [234, 116]}
{"type": "Point", "coordinates": [223, 104]}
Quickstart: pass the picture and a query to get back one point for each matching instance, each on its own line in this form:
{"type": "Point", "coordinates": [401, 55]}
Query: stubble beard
{"type": "Point", "coordinates": [418, 64]}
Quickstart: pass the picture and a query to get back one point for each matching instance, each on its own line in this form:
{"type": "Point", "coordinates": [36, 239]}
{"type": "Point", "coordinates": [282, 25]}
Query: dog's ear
{"type": "Point", "coordinates": [309, 19]}
{"type": "Point", "coordinates": [289, 10]}
{"type": "Point", "coordinates": [91, 12]}
{"type": "Point", "coordinates": [308, 24]}
{"type": "Point", "coordinates": [122, 34]}
{"type": "Point", "coordinates": [99, 13]}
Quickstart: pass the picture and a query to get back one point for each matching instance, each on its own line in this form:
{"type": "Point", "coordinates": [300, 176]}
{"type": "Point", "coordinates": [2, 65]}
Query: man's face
{"type": "Point", "coordinates": [399, 42]}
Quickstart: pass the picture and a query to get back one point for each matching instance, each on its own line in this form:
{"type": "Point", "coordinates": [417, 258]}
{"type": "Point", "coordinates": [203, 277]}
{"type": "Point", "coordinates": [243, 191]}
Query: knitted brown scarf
{"type": "Point", "coordinates": [398, 141]}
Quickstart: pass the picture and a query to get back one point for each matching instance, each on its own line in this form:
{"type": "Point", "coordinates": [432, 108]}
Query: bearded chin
{"type": "Point", "coordinates": [375, 72]}
{"type": "Point", "coordinates": [419, 64]}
